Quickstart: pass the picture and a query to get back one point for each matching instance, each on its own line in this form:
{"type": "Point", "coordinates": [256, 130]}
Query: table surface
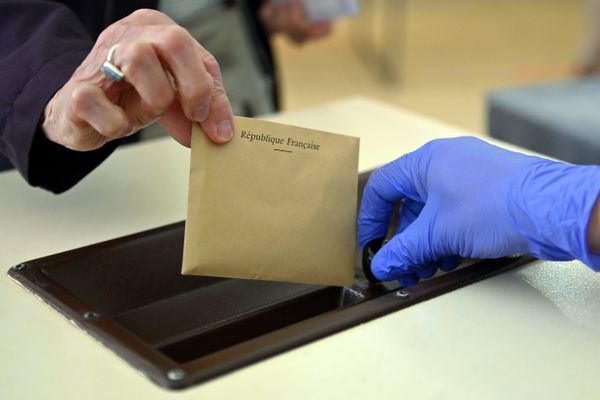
{"type": "Point", "coordinates": [528, 333]}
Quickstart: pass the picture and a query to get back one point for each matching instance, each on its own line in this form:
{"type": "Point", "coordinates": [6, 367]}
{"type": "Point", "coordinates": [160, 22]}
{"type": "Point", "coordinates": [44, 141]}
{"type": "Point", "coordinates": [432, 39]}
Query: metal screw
{"type": "Point", "coordinates": [91, 315]}
{"type": "Point", "coordinates": [175, 374]}
{"type": "Point", "coordinates": [20, 267]}
{"type": "Point", "coordinates": [402, 294]}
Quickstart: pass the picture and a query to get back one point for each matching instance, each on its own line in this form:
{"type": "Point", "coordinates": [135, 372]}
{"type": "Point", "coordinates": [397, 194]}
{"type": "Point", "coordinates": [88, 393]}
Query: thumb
{"type": "Point", "coordinates": [218, 125]}
{"type": "Point", "coordinates": [408, 252]}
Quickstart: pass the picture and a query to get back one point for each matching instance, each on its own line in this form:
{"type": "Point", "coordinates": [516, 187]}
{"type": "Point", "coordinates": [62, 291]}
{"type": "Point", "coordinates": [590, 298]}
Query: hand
{"type": "Point", "coordinates": [168, 76]}
{"type": "Point", "coordinates": [464, 197]}
{"type": "Point", "coordinates": [289, 18]}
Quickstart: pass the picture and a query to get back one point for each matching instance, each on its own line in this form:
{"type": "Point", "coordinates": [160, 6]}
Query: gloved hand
{"type": "Point", "coordinates": [466, 198]}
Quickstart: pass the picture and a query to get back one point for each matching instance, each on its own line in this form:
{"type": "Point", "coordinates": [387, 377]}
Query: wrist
{"type": "Point", "coordinates": [593, 229]}
{"type": "Point", "coordinates": [550, 204]}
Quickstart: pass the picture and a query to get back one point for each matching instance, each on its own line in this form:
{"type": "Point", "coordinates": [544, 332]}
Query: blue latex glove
{"type": "Point", "coordinates": [466, 198]}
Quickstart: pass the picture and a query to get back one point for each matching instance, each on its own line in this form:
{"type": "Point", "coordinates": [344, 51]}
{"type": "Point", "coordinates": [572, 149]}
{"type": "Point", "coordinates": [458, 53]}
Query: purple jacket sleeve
{"type": "Point", "coordinates": [42, 43]}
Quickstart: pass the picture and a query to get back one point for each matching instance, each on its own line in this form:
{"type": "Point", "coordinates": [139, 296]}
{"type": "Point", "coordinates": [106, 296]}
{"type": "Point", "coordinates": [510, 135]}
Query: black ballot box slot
{"type": "Point", "coordinates": [182, 330]}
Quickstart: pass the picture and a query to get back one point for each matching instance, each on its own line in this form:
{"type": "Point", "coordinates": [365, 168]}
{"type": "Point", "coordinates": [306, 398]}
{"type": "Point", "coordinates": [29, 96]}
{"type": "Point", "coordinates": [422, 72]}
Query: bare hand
{"type": "Point", "coordinates": [168, 76]}
{"type": "Point", "coordinates": [290, 19]}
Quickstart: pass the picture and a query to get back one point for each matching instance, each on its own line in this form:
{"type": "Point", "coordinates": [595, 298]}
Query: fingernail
{"type": "Point", "coordinates": [201, 112]}
{"type": "Point", "coordinates": [225, 130]}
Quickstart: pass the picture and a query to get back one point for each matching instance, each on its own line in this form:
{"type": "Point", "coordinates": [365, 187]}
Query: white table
{"type": "Point", "coordinates": [529, 333]}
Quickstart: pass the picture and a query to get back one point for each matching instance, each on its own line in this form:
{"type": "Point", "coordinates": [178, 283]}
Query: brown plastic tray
{"type": "Point", "coordinates": [181, 330]}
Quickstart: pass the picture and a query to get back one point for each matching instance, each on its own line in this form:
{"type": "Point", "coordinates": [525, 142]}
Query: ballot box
{"type": "Point", "coordinates": [182, 330]}
{"type": "Point", "coordinates": [94, 306]}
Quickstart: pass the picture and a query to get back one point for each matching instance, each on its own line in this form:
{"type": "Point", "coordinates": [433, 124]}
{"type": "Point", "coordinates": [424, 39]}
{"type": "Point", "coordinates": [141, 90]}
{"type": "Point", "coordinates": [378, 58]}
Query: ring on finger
{"type": "Point", "coordinates": [110, 70]}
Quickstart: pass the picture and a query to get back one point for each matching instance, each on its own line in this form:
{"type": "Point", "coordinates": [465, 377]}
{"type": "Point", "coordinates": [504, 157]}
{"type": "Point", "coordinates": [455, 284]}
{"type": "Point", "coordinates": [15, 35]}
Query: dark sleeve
{"type": "Point", "coordinates": [262, 43]}
{"type": "Point", "coordinates": [42, 43]}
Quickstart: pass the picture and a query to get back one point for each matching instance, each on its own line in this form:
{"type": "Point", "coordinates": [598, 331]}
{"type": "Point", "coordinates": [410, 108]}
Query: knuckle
{"type": "Point", "coordinates": [177, 39]}
{"type": "Point", "coordinates": [110, 33]}
{"type": "Point", "coordinates": [211, 63]}
{"type": "Point", "coordinates": [200, 91]}
{"type": "Point", "coordinates": [114, 128]}
{"type": "Point", "coordinates": [137, 53]}
{"type": "Point", "coordinates": [112, 132]}
{"type": "Point", "coordinates": [81, 98]}
{"type": "Point", "coordinates": [221, 101]}
{"type": "Point", "coordinates": [161, 102]}
{"type": "Point", "coordinates": [138, 58]}
{"type": "Point", "coordinates": [433, 145]}
{"type": "Point", "coordinates": [147, 14]}
{"type": "Point", "coordinates": [109, 130]}
{"type": "Point", "coordinates": [373, 181]}
{"type": "Point", "coordinates": [82, 139]}
{"type": "Point", "coordinates": [219, 94]}
{"type": "Point", "coordinates": [70, 142]}
{"type": "Point", "coordinates": [212, 66]}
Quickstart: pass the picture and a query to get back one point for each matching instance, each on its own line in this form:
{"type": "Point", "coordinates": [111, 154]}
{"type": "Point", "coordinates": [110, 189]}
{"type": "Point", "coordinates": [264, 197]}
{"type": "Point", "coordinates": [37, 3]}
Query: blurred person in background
{"type": "Point", "coordinates": [589, 63]}
{"type": "Point", "coordinates": [243, 49]}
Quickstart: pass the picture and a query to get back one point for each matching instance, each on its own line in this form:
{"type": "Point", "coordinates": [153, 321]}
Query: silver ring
{"type": "Point", "coordinates": [110, 70]}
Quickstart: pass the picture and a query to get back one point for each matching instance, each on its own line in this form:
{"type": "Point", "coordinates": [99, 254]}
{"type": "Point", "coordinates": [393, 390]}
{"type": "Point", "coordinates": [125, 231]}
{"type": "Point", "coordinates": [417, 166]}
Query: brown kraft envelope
{"type": "Point", "coordinates": [276, 203]}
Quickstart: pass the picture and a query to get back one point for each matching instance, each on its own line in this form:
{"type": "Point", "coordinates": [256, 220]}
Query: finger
{"type": "Point", "coordinates": [408, 280]}
{"type": "Point", "coordinates": [89, 105]}
{"type": "Point", "coordinates": [184, 59]}
{"type": "Point", "coordinates": [319, 30]}
{"type": "Point", "coordinates": [409, 211]}
{"type": "Point", "coordinates": [176, 123]}
{"type": "Point", "coordinates": [267, 15]}
{"type": "Point", "coordinates": [298, 26]}
{"type": "Point", "coordinates": [387, 185]}
{"type": "Point", "coordinates": [146, 17]}
{"type": "Point", "coordinates": [427, 271]}
{"type": "Point", "coordinates": [298, 15]}
{"type": "Point", "coordinates": [408, 252]}
{"type": "Point", "coordinates": [144, 71]}
{"type": "Point", "coordinates": [218, 126]}
{"type": "Point", "coordinates": [449, 263]}
{"type": "Point", "coordinates": [281, 16]}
